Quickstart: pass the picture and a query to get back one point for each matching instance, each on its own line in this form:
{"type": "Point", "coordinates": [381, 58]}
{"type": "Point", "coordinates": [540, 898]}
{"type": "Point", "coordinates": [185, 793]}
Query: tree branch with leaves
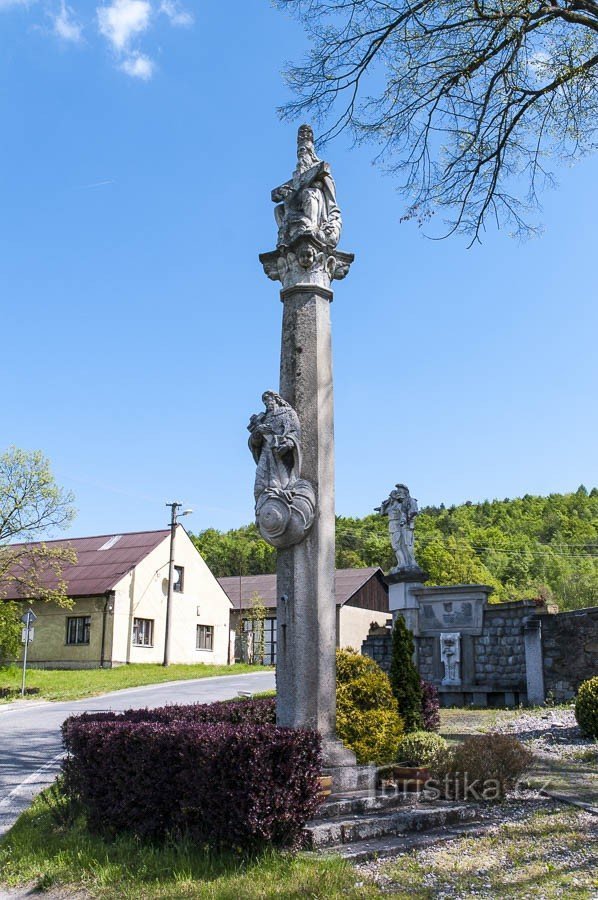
{"type": "Point", "coordinates": [32, 506]}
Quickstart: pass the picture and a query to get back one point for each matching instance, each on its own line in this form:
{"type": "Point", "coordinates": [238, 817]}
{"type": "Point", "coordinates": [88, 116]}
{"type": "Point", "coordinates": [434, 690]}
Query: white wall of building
{"type": "Point", "coordinates": [142, 595]}
{"type": "Point", "coordinates": [354, 625]}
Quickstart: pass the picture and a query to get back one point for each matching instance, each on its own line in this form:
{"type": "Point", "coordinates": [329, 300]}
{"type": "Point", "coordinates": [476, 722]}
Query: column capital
{"type": "Point", "coordinates": [307, 262]}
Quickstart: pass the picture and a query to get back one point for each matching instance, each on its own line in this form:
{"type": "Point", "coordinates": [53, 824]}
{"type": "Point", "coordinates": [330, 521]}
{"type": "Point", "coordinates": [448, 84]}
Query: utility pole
{"type": "Point", "coordinates": [174, 514]}
{"type": "Point", "coordinates": [28, 619]}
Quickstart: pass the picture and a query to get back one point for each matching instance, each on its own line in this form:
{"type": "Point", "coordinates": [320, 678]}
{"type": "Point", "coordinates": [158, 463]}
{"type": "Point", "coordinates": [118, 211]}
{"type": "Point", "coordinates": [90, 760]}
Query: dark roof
{"type": "Point", "coordinates": [347, 582]}
{"type": "Point", "coordinates": [101, 561]}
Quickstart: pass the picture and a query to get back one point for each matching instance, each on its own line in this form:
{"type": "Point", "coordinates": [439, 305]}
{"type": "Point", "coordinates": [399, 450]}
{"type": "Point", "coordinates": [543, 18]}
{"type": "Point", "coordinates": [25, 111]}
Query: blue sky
{"type": "Point", "coordinates": [139, 145]}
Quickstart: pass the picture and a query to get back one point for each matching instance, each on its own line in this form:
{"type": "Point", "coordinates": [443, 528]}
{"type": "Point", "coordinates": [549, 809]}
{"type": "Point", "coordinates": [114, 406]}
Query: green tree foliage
{"type": "Point", "coordinates": [367, 716]}
{"type": "Point", "coordinates": [240, 551]}
{"type": "Point", "coordinates": [404, 677]}
{"type": "Point", "coordinates": [31, 506]}
{"type": "Point", "coordinates": [525, 547]}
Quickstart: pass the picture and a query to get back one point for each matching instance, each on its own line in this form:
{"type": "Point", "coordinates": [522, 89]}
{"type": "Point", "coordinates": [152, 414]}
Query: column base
{"type": "Point", "coordinates": [347, 776]}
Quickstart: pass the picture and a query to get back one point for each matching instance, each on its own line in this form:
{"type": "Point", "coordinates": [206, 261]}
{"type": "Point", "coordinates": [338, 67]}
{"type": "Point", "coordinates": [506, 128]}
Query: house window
{"type": "Point", "coordinates": [143, 632]}
{"type": "Point", "coordinates": [77, 629]}
{"type": "Point", "coordinates": [258, 635]}
{"type": "Point", "coordinates": [179, 579]}
{"type": "Point", "coordinates": [205, 637]}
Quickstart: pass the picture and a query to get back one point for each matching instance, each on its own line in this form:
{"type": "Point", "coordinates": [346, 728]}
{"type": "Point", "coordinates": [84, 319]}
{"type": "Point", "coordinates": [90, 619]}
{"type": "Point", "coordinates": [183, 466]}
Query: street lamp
{"type": "Point", "coordinates": [174, 515]}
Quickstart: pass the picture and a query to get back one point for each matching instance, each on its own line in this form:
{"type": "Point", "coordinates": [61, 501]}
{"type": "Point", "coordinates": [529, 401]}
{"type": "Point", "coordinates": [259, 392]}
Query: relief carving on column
{"type": "Point", "coordinates": [285, 503]}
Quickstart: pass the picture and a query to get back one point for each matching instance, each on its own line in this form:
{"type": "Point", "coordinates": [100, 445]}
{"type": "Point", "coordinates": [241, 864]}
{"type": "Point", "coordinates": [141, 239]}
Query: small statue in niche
{"type": "Point", "coordinates": [401, 509]}
{"type": "Point", "coordinates": [450, 655]}
{"type": "Point", "coordinates": [284, 502]}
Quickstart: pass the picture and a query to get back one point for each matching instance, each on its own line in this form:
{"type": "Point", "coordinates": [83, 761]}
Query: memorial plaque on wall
{"type": "Point", "coordinates": [439, 614]}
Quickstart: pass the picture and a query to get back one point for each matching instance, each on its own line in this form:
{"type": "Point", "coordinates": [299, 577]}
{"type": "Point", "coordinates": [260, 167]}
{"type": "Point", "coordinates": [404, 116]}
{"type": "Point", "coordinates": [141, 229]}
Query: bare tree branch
{"type": "Point", "coordinates": [467, 99]}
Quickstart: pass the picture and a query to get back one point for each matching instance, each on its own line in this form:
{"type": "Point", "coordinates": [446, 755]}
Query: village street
{"type": "Point", "coordinates": [30, 741]}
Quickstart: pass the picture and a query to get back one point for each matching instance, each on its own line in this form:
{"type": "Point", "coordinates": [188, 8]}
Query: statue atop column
{"type": "Point", "coordinates": [284, 502]}
{"type": "Point", "coordinates": [309, 223]}
{"type": "Point", "coordinates": [401, 509]}
{"type": "Point", "coordinates": [307, 202]}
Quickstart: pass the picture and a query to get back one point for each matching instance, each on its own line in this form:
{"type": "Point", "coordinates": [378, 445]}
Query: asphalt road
{"type": "Point", "coordinates": [30, 742]}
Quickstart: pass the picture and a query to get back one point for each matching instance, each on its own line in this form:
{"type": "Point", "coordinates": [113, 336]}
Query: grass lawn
{"type": "Point", "coordinates": [548, 854]}
{"type": "Point", "coordinates": [63, 684]}
{"type": "Point", "coordinates": [39, 853]}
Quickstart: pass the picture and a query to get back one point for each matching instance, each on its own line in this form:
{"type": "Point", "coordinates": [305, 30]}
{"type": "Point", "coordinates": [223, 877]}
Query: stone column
{"type": "Point", "coordinates": [305, 572]}
{"type": "Point", "coordinates": [306, 261]}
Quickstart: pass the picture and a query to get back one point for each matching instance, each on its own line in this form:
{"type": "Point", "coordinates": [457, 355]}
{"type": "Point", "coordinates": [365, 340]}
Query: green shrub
{"type": "Point", "coordinates": [367, 716]}
{"type": "Point", "coordinates": [484, 766]}
{"type": "Point", "coordinates": [421, 748]}
{"type": "Point", "coordinates": [404, 677]}
{"type": "Point", "coordinates": [586, 707]}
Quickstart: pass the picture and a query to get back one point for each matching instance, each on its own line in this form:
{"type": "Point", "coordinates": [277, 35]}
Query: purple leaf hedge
{"type": "Point", "coordinates": [221, 774]}
{"type": "Point", "coordinates": [430, 706]}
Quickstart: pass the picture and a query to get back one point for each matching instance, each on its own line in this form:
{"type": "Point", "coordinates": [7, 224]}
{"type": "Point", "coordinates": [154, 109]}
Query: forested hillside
{"type": "Point", "coordinates": [527, 547]}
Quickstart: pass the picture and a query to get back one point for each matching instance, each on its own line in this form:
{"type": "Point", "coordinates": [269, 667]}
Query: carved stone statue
{"type": "Point", "coordinates": [284, 502]}
{"type": "Point", "coordinates": [450, 655]}
{"type": "Point", "coordinates": [307, 202]}
{"type": "Point", "coordinates": [401, 509]}
{"type": "Point", "coordinates": [309, 223]}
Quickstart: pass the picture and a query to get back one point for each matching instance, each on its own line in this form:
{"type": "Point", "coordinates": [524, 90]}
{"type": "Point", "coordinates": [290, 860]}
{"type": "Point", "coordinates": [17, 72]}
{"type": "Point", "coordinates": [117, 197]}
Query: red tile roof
{"type": "Point", "coordinates": [97, 570]}
{"type": "Point", "coordinates": [347, 582]}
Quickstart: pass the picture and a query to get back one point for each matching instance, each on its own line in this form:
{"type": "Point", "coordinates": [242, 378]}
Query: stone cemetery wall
{"type": "Point", "coordinates": [523, 651]}
{"type": "Point", "coordinates": [570, 651]}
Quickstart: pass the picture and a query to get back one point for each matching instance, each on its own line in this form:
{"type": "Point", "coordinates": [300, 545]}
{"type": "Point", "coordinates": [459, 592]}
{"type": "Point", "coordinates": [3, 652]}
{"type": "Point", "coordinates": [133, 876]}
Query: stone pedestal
{"type": "Point", "coordinates": [403, 601]}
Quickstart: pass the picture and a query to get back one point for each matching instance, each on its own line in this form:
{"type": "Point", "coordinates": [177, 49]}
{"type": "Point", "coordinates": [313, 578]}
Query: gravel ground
{"type": "Point", "coordinates": [535, 849]}
{"type": "Point", "coordinates": [532, 847]}
{"type": "Point", "coordinates": [553, 733]}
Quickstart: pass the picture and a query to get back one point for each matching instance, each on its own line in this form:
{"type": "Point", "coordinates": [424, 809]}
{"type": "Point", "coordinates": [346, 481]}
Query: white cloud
{"type": "Point", "coordinates": [66, 26]}
{"type": "Point", "coordinates": [138, 66]}
{"type": "Point", "coordinates": [121, 21]}
{"type": "Point", "coordinates": [176, 14]}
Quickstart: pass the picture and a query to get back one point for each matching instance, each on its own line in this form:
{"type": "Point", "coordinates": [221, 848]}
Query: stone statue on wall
{"type": "Point", "coordinates": [401, 509]}
{"type": "Point", "coordinates": [309, 223]}
{"type": "Point", "coordinates": [450, 655]}
{"type": "Point", "coordinates": [284, 502]}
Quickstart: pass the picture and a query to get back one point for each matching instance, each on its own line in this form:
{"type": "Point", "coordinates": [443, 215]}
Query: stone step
{"type": "Point", "coordinates": [340, 829]}
{"type": "Point", "coordinates": [357, 804]}
{"type": "Point", "coordinates": [394, 845]}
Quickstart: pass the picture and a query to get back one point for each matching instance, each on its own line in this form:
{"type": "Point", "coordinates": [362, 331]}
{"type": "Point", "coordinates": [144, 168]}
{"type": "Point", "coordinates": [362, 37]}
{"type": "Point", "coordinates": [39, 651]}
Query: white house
{"type": "Point", "coordinates": [119, 588]}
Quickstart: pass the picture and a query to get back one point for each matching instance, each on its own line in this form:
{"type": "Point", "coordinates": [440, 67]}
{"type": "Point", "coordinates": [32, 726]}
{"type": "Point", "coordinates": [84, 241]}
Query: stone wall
{"type": "Point", "coordinates": [570, 651]}
{"type": "Point", "coordinates": [494, 668]}
{"type": "Point", "coordinates": [378, 646]}
{"type": "Point", "coordinates": [499, 653]}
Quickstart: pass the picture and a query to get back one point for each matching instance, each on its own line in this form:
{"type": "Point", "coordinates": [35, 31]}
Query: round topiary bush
{"type": "Point", "coordinates": [586, 707]}
{"type": "Point", "coordinates": [421, 748]}
{"type": "Point", "coordinates": [367, 716]}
